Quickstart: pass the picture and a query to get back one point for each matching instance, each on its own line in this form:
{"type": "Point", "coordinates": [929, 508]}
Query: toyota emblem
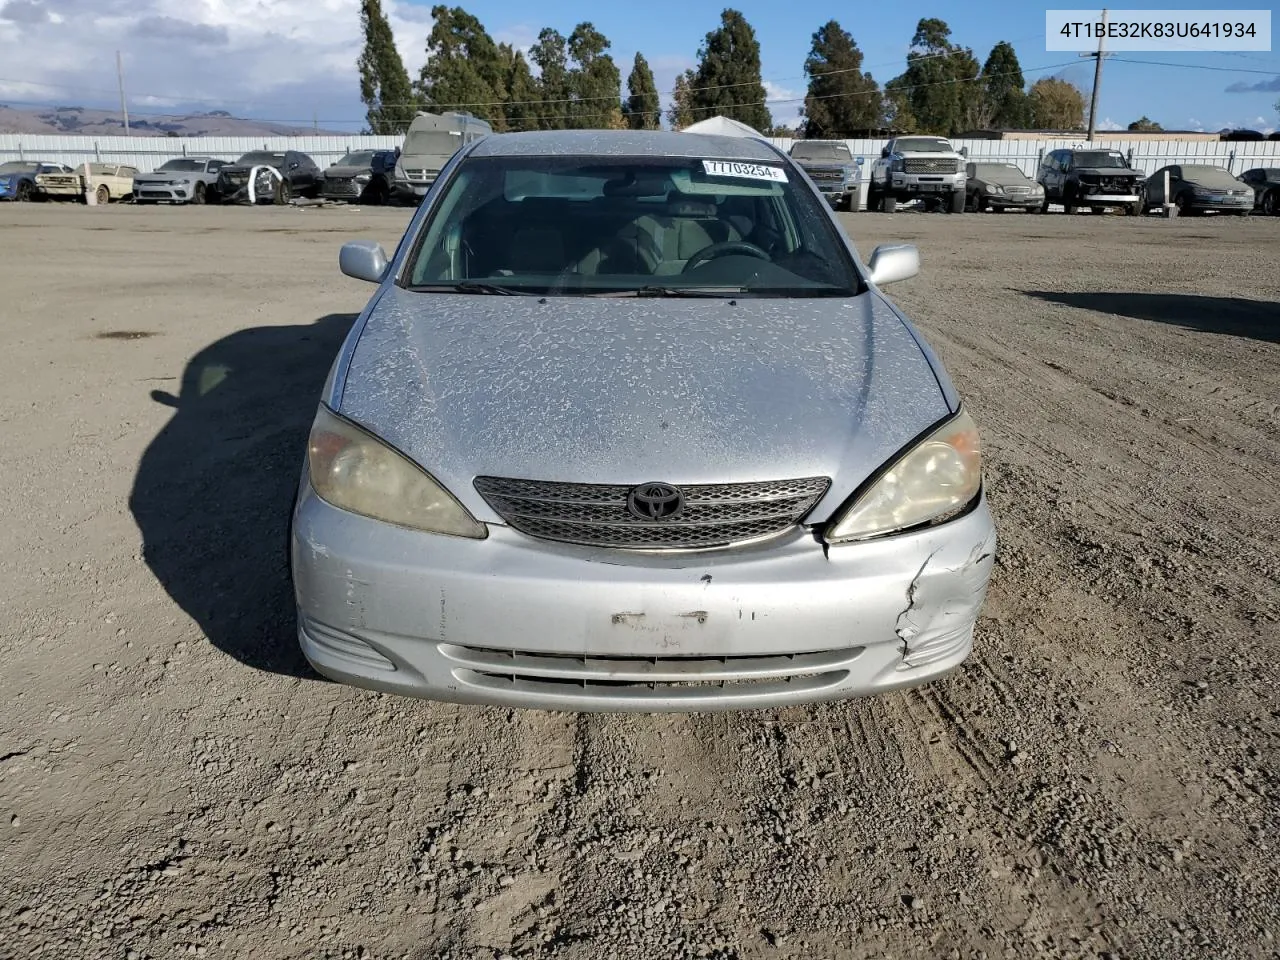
{"type": "Point", "coordinates": [655, 501]}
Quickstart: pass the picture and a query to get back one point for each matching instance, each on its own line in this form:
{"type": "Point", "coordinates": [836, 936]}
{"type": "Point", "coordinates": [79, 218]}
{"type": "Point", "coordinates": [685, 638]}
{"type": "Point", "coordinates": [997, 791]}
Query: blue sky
{"type": "Point", "coordinates": [294, 60]}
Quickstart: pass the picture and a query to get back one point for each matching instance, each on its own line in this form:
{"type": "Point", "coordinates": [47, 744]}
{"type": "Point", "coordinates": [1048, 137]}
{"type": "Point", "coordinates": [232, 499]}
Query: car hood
{"type": "Point", "coordinates": [1108, 172]}
{"type": "Point", "coordinates": [621, 391]}
{"type": "Point", "coordinates": [167, 176]}
{"type": "Point", "coordinates": [1009, 179]}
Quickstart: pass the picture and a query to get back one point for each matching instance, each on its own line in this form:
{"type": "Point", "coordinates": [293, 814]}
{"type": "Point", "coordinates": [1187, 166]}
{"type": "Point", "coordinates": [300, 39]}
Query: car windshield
{"type": "Point", "coordinates": [361, 158]}
{"type": "Point", "coordinates": [261, 157]}
{"type": "Point", "coordinates": [182, 163]}
{"type": "Point", "coordinates": [923, 145]}
{"type": "Point", "coordinates": [596, 226]}
{"type": "Point", "coordinates": [1100, 159]}
{"type": "Point", "coordinates": [999, 170]}
{"type": "Point", "coordinates": [1209, 176]}
{"type": "Point", "coordinates": [17, 166]}
{"type": "Point", "coordinates": [821, 151]}
{"type": "Point", "coordinates": [432, 143]}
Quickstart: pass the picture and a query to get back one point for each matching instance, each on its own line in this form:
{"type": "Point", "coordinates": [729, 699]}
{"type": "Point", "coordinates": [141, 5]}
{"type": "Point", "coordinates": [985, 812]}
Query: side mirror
{"type": "Point", "coordinates": [884, 152]}
{"type": "Point", "coordinates": [363, 260]}
{"type": "Point", "coordinates": [890, 263]}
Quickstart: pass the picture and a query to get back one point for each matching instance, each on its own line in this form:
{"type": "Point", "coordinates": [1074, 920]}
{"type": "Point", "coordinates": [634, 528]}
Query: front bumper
{"type": "Point", "coordinates": [163, 191]}
{"type": "Point", "coordinates": [1026, 202]}
{"type": "Point", "coordinates": [513, 621]}
{"type": "Point", "coordinates": [927, 182]}
{"type": "Point", "coordinates": [1205, 204]}
{"type": "Point", "coordinates": [1086, 199]}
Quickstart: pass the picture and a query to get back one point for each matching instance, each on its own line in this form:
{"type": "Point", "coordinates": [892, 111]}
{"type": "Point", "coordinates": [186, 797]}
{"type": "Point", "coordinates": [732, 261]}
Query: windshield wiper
{"type": "Point", "coordinates": [656, 291]}
{"type": "Point", "coordinates": [469, 286]}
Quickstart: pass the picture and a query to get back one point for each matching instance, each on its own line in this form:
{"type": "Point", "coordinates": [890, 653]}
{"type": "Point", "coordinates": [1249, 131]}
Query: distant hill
{"type": "Point", "coordinates": [85, 122]}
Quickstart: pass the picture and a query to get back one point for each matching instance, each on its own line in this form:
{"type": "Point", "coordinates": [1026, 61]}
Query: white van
{"type": "Point", "coordinates": [432, 139]}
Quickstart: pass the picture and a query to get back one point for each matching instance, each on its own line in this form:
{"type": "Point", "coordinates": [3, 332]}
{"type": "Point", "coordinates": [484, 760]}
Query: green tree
{"type": "Point", "coordinates": [680, 113]}
{"type": "Point", "coordinates": [464, 69]}
{"type": "Point", "coordinates": [384, 82]}
{"type": "Point", "coordinates": [595, 83]}
{"type": "Point", "coordinates": [551, 54]}
{"type": "Point", "coordinates": [727, 80]}
{"type": "Point", "coordinates": [897, 106]}
{"type": "Point", "coordinates": [938, 88]}
{"type": "Point", "coordinates": [841, 99]}
{"type": "Point", "coordinates": [1003, 104]}
{"type": "Point", "coordinates": [1056, 105]}
{"type": "Point", "coordinates": [643, 109]}
{"type": "Point", "coordinates": [1145, 125]}
{"type": "Point", "coordinates": [523, 103]}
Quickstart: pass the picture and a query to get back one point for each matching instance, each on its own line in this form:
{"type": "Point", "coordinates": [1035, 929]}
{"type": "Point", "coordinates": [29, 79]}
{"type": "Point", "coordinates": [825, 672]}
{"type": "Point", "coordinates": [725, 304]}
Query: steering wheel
{"type": "Point", "coordinates": [725, 248]}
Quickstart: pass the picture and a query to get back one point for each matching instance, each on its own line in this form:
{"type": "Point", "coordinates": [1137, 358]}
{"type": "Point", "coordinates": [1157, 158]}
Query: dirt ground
{"type": "Point", "coordinates": [1099, 780]}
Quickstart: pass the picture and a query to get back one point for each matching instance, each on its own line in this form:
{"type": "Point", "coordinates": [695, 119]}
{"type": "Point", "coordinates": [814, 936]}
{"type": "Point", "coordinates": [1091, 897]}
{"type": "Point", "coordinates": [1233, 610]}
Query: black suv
{"type": "Point", "coordinates": [300, 177]}
{"type": "Point", "coordinates": [365, 176]}
{"type": "Point", "coordinates": [1091, 178]}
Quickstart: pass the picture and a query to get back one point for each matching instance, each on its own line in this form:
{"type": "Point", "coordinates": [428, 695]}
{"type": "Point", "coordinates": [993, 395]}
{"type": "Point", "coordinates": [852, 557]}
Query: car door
{"type": "Point", "coordinates": [1051, 174]}
{"type": "Point", "coordinates": [1155, 186]}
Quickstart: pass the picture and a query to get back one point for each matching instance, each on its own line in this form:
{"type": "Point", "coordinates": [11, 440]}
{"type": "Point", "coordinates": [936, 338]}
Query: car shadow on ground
{"type": "Point", "coordinates": [214, 489]}
{"type": "Point", "coordinates": [1236, 316]}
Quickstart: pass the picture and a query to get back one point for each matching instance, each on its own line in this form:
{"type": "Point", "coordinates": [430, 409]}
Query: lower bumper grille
{"type": "Point", "coordinates": [334, 187]}
{"type": "Point", "coordinates": [713, 515]}
{"type": "Point", "coordinates": [649, 677]}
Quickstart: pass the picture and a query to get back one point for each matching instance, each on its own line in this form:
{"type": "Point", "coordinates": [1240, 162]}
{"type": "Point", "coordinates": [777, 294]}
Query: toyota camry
{"type": "Point", "coordinates": [629, 425]}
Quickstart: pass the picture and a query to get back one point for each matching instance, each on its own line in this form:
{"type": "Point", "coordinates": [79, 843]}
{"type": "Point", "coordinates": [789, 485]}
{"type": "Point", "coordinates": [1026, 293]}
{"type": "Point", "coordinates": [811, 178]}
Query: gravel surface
{"type": "Point", "coordinates": [1099, 780]}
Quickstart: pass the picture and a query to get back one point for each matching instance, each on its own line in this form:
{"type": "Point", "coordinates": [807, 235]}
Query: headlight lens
{"type": "Point", "coordinates": [355, 471]}
{"type": "Point", "coordinates": [932, 481]}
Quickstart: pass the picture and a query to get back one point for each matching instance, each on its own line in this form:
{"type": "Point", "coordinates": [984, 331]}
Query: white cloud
{"type": "Point", "coordinates": [276, 59]}
{"type": "Point", "coordinates": [784, 103]}
{"type": "Point", "coordinates": [1109, 124]}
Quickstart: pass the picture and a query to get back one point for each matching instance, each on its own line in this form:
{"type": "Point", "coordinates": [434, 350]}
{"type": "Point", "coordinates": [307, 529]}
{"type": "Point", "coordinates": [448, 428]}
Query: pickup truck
{"type": "Point", "coordinates": [832, 169]}
{"type": "Point", "coordinates": [918, 168]}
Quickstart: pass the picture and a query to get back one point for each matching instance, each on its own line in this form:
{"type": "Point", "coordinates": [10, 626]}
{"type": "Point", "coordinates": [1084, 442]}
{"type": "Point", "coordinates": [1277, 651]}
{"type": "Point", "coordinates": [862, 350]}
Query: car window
{"type": "Point", "coordinates": [600, 225]}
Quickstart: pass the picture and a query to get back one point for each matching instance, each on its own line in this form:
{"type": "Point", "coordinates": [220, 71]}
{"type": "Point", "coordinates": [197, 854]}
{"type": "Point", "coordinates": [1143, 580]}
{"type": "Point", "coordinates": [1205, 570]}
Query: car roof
{"type": "Point", "coordinates": [623, 143]}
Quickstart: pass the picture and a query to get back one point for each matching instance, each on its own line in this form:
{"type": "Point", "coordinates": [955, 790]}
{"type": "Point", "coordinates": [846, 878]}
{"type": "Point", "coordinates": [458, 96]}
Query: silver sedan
{"type": "Point", "coordinates": [628, 425]}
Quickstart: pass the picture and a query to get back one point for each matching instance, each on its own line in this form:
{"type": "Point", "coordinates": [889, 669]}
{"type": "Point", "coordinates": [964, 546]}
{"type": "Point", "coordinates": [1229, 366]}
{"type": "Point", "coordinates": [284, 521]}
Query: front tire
{"type": "Point", "coordinates": [284, 192]}
{"type": "Point", "coordinates": [888, 204]}
{"type": "Point", "coordinates": [198, 195]}
{"type": "Point", "coordinates": [956, 204]}
{"type": "Point", "coordinates": [1271, 203]}
{"type": "Point", "coordinates": [102, 195]}
{"type": "Point", "coordinates": [24, 192]}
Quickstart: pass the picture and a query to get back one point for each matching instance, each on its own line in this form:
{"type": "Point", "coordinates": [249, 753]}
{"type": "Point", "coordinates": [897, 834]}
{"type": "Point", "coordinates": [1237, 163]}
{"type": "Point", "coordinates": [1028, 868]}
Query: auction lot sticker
{"type": "Point", "coordinates": [750, 171]}
{"type": "Point", "coordinates": [1166, 31]}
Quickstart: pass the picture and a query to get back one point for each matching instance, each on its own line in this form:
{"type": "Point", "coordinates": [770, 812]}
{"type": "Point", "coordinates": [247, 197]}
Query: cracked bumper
{"type": "Point", "coordinates": [513, 621]}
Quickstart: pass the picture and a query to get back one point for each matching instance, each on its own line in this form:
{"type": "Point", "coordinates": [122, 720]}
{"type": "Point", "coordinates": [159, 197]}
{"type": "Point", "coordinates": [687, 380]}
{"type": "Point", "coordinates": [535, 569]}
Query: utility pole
{"type": "Point", "coordinates": [124, 110]}
{"type": "Point", "coordinates": [1097, 77]}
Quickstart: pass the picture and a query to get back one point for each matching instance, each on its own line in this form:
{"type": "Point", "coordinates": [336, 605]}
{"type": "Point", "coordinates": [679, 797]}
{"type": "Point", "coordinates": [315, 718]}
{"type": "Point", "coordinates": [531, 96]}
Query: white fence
{"type": "Point", "coordinates": [147, 153]}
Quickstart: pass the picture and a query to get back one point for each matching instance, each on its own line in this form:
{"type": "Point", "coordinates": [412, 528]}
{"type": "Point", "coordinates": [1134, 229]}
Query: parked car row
{"type": "Point", "coordinates": [931, 171]}
{"type": "Point", "coordinates": [44, 180]}
{"type": "Point", "coordinates": [365, 176]}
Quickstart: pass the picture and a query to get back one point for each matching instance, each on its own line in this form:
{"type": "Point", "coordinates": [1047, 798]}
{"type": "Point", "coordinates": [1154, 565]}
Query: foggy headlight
{"type": "Point", "coordinates": [934, 480]}
{"type": "Point", "coordinates": [354, 470]}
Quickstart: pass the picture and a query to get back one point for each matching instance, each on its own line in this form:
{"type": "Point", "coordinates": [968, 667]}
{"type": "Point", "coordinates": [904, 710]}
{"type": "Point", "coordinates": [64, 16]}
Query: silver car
{"type": "Point", "coordinates": [627, 425]}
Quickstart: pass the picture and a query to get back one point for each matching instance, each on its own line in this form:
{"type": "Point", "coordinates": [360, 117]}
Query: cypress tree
{"type": "Point", "coordinates": [842, 100]}
{"type": "Point", "coordinates": [727, 80]}
{"type": "Point", "coordinates": [644, 109]}
{"type": "Point", "coordinates": [384, 82]}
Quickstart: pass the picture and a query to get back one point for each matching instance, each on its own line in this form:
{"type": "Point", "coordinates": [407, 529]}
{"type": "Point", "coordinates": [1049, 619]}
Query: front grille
{"type": "Point", "coordinates": [341, 186]}
{"type": "Point", "coordinates": [930, 165]}
{"type": "Point", "coordinates": [650, 678]}
{"type": "Point", "coordinates": [835, 176]}
{"type": "Point", "coordinates": [714, 515]}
